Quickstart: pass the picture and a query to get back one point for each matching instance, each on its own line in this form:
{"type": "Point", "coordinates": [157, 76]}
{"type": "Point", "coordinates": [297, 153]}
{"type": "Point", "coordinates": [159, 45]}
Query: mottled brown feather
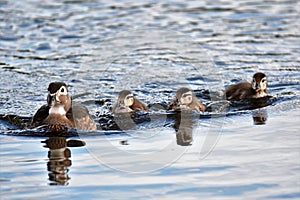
{"type": "Point", "coordinates": [138, 105]}
{"type": "Point", "coordinates": [58, 123]}
{"type": "Point", "coordinates": [239, 91]}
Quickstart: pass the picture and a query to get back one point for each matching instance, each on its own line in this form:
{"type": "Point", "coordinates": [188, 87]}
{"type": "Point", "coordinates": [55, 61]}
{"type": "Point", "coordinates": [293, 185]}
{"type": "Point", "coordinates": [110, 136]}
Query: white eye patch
{"type": "Point", "coordinates": [187, 94]}
{"type": "Point", "coordinates": [128, 101]}
{"type": "Point", "coordinates": [62, 91]}
{"type": "Point", "coordinates": [264, 80]}
{"type": "Point", "coordinates": [186, 98]}
{"type": "Point", "coordinates": [129, 96]}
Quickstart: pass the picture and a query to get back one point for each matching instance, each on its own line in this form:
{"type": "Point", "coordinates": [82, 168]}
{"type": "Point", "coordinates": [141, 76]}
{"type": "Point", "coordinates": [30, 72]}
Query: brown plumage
{"type": "Point", "coordinates": [60, 114]}
{"type": "Point", "coordinates": [246, 90]}
{"type": "Point", "coordinates": [58, 123]}
{"type": "Point", "coordinates": [185, 99]}
{"type": "Point", "coordinates": [127, 102]}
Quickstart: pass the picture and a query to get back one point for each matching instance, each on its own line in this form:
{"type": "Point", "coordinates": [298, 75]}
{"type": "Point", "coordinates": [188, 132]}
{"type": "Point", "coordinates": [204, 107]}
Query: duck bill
{"type": "Point", "coordinates": [51, 100]}
{"type": "Point", "coordinates": [257, 87]}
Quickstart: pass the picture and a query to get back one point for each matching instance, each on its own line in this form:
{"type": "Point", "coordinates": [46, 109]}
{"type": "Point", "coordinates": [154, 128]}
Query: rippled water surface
{"type": "Point", "coordinates": [99, 48]}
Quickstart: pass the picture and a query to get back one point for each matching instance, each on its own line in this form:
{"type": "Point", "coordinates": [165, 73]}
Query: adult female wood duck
{"type": "Point", "coordinates": [246, 90]}
{"type": "Point", "coordinates": [185, 99]}
{"type": "Point", "coordinates": [127, 102]}
{"type": "Point", "coordinates": [60, 113]}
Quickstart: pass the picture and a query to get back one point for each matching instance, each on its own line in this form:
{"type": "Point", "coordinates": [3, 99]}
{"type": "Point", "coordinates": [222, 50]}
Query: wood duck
{"type": "Point", "coordinates": [127, 102]}
{"type": "Point", "coordinates": [246, 90]}
{"type": "Point", "coordinates": [185, 99]}
{"type": "Point", "coordinates": [60, 113]}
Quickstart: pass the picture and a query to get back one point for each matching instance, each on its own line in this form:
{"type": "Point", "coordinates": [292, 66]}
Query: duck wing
{"type": "Point", "coordinates": [138, 105]}
{"type": "Point", "coordinates": [41, 114]}
{"type": "Point", "coordinates": [80, 116]}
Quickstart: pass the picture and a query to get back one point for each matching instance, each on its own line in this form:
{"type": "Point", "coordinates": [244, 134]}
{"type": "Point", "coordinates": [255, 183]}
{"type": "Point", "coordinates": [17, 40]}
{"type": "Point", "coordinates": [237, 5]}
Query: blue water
{"type": "Point", "coordinates": [99, 48]}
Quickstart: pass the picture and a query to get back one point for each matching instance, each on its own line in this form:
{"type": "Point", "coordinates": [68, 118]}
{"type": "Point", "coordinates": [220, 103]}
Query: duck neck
{"type": "Point", "coordinates": [57, 110]}
{"type": "Point", "coordinates": [262, 93]}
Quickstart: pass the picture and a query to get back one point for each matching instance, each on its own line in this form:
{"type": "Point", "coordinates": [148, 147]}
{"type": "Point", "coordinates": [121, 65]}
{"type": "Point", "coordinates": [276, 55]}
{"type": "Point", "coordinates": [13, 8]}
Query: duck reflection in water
{"type": "Point", "coordinates": [60, 158]}
{"type": "Point", "coordinates": [185, 121]}
{"type": "Point", "coordinates": [259, 116]}
{"type": "Point", "coordinates": [186, 105]}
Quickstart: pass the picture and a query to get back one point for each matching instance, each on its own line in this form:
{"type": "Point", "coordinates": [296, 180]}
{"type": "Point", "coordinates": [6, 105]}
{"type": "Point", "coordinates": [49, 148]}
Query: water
{"type": "Point", "coordinates": [152, 49]}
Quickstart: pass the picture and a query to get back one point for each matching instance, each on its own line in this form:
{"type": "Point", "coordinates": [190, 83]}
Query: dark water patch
{"type": "Point", "coordinates": [38, 133]}
{"type": "Point", "coordinates": [4, 180]}
{"type": "Point", "coordinates": [295, 195]}
{"type": "Point", "coordinates": [9, 39]}
{"type": "Point", "coordinates": [7, 67]}
{"type": "Point", "coordinates": [19, 71]}
{"type": "Point", "coordinates": [54, 58]}
{"type": "Point", "coordinates": [25, 50]}
{"type": "Point", "coordinates": [289, 68]}
{"type": "Point", "coordinates": [106, 122]}
{"type": "Point", "coordinates": [43, 47]}
{"type": "Point", "coordinates": [263, 54]}
{"type": "Point", "coordinates": [287, 35]}
{"type": "Point", "coordinates": [65, 37]}
{"type": "Point", "coordinates": [107, 80]}
{"type": "Point", "coordinates": [254, 41]}
{"type": "Point", "coordinates": [126, 121]}
{"type": "Point", "coordinates": [74, 1]}
{"type": "Point", "coordinates": [251, 104]}
{"type": "Point", "coordinates": [34, 57]}
{"type": "Point", "coordinates": [201, 9]}
{"type": "Point", "coordinates": [130, 6]}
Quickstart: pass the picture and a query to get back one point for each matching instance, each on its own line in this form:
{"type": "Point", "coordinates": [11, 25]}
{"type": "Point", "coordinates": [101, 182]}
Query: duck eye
{"type": "Point", "coordinates": [63, 90]}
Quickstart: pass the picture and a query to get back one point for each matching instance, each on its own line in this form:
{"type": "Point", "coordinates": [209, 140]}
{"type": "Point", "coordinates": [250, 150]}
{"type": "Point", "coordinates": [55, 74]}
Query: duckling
{"type": "Point", "coordinates": [127, 102]}
{"type": "Point", "coordinates": [185, 99]}
{"type": "Point", "coordinates": [60, 113]}
{"type": "Point", "coordinates": [246, 90]}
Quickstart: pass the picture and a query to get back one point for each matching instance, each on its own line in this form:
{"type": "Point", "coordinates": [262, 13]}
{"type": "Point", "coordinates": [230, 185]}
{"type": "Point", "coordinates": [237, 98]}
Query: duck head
{"type": "Point", "coordinates": [259, 82]}
{"type": "Point", "coordinates": [58, 98]}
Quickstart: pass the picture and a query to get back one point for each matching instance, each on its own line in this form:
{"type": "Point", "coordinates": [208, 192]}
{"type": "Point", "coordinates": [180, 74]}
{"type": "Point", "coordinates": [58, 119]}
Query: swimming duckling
{"type": "Point", "coordinates": [128, 103]}
{"type": "Point", "coordinates": [60, 113]}
{"type": "Point", "coordinates": [246, 90]}
{"type": "Point", "coordinates": [185, 99]}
